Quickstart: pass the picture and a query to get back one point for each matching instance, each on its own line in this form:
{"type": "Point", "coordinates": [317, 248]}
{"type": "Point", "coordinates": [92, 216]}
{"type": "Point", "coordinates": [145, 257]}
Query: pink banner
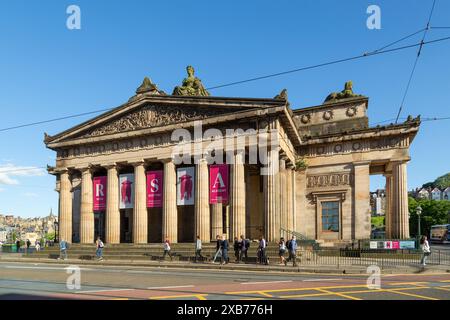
{"type": "Point", "coordinates": [218, 183]}
{"type": "Point", "coordinates": [99, 191]}
{"type": "Point", "coordinates": [154, 189]}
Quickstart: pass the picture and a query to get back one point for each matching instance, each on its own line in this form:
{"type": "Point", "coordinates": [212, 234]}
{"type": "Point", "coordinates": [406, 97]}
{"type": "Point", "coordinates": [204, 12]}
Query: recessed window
{"type": "Point", "coordinates": [330, 216]}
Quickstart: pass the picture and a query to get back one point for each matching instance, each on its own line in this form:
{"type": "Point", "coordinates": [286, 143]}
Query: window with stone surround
{"type": "Point", "coordinates": [330, 216]}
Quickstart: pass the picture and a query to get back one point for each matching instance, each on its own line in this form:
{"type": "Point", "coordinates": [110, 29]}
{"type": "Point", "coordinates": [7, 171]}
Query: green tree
{"type": "Point", "coordinates": [50, 236]}
{"type": "Point", "coordinates": [443, 181]}
{"type": "Point", "coordinates": [433, 212]}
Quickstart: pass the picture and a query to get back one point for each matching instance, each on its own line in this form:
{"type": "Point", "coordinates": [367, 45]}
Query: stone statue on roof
{"type": "Point", "coordinates": [148, 86]}
{"type": "Point", "coordinates": [344, 94]}
{"type": "Point", "coordinates": [191, 86]}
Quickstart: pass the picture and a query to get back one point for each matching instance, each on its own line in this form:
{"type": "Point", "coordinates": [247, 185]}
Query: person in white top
{"type": "Point", "coordinates": [167, 249]}
{"type": "Point", "coordinates": [425, 246]}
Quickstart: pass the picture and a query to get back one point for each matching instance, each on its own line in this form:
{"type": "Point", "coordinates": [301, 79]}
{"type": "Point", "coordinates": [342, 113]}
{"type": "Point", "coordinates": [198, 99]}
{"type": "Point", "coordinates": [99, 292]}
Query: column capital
{"type": "Point", "coordinates": [137, 163]}
{"type": "Point", "coordinates": [110, 166]}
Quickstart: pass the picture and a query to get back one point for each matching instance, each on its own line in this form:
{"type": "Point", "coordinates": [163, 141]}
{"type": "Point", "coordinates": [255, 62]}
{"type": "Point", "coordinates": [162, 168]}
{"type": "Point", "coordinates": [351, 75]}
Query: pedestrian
{"type": "Point", "coordinates": [100, 245]}
{"type": "Point", "coordinates": [63, 246]}
{"type": "Point", "coordinates": [237, 245]}
{"type": "Point", "coordinates": [167, 249]}
{"type": "Point", "coordinates": [426, 251]}
{"type": "Point", "coordinates": [18, 246]}
{"type": "Point", "coordinates": [37, 245]}
{"type": "Point", "coordinates": [262, 251]}
{"type": "Point", "coordinates": [224, 247]}
{"type": "Point", "coordinates": [281, 250]}
{"type": "Point", "coordinates": [28, 243]}
{"type": "Point", "coordinates": [245, 244]}
{"type": "Point", "coordinates": [218, 248]}
{"type": "Point", "coordinates": [292, 249]}
{"type": "Point", "coordinates": [198, 249]}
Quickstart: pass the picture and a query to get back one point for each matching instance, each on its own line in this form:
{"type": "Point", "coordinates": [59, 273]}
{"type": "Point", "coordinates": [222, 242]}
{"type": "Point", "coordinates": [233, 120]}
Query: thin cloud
{"type": "Point", "coordinates": [9, 171]}
{"type": "Point", "coordinates": [30, 194]}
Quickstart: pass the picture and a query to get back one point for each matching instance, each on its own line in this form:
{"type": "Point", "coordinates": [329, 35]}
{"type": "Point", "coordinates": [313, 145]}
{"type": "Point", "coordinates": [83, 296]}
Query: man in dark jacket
{"type": "Point", "coordinates": [245, 244]}
{"type": "Point", "coordinates": [224, 247]}
{"type": "Point", "coordinates": [18, 246]}
{"type": "Point", "coordinates": [237, 249]}
{"type": "Point", "coordinates": [218, 248]}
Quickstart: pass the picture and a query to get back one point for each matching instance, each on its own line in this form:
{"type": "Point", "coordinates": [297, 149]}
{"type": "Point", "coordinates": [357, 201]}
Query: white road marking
{"type": "Point", "coordinates": [337, 279]}
{"type": "Point", "coordinates": [265, 282]}
{"type": "Point", "coordinates": [171, 287]}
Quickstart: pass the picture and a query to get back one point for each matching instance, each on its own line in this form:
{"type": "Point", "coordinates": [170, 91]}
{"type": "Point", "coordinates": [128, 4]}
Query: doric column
{"type": "Point", "coordinates": [216, 220]}
{"type": "Point", "coordinates": [170, 214]}
{"type": "Point", "coordinates": [283, 195]}
{"type": "Point", "coordinates": [400, 202]}
{"type": "Point", "coordinates": [202, 222]}
{"type": "Point", "coordinates": [362, 222]}
{"type": "Point", "coordinates": [271, 198]}
{"type": "Point", "coordinates": [290, 199]}
{"type": "Point", "coordinates": [388, 206]}
{"type": "Point", "coordinates": [237, 201]}
{"type": "Point", "coordinates": [140, 216]}
{"type": "Point", "coordinates": [87, 209]}
{"type": "Point", "coordinates": [65, 207]}
{"type": "Point", "coordinates": [112, 206]}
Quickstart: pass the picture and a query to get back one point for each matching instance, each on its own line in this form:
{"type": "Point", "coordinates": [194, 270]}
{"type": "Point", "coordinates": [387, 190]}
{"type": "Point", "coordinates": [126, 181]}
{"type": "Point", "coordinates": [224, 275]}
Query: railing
{"type": "Point", "coordinates": [301, 239]}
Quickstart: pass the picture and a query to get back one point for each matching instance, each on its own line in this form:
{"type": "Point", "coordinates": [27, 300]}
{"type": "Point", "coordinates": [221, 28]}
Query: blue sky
{"type": "Point", "coordinates": [49, 71]}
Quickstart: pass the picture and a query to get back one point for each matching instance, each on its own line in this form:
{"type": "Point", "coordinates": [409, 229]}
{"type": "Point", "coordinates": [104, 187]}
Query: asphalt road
{"type": "Point", "coordinates": [49, 281]}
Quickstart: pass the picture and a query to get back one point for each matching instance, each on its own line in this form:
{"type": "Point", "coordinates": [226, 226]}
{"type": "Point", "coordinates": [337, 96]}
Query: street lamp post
{"type": "Point", "coordinates": [419, 213]}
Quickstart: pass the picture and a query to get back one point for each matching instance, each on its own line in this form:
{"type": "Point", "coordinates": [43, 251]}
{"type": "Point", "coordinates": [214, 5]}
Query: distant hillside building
{"type": "Point", "coordinates": [431, 194]}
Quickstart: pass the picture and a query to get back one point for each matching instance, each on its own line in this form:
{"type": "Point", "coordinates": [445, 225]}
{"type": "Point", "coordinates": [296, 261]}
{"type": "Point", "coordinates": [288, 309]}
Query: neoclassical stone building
{"type": "Point", "coordinates": [106, 169]}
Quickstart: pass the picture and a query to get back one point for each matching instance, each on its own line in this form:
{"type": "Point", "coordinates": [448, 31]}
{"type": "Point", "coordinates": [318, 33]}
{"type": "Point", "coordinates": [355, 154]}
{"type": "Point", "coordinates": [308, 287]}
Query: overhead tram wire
{"type": "Point", "coordinates": [415, 62]}
{"type": "Point", "coordinates": [364, 55]}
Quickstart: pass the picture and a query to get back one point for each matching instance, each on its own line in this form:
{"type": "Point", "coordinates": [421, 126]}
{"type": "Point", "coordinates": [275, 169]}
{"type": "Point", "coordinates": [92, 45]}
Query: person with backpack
{"type": "Point", "coordinates": [245, 244]}
{"type": "Point", "coordinates": [281, 250]}
{"type": "Point", "coordinates": [426, 251]}
{"type": "Point", "coordinates": [218, 249]}
{"type": "Point", "coordinates": [292, 249]}
{"type": "Point", "coordinates": [167, 249]}
{"type": "Point", "coordinates": [99, 252]}
{"type": "Point", "coordinates": [224, 247]}
{"type": "Point", "coordinates": [63, 247]}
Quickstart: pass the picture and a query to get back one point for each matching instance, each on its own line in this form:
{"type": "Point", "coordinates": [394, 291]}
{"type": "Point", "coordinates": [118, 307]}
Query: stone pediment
{"type": "Point", "coordinates": [150, 115]}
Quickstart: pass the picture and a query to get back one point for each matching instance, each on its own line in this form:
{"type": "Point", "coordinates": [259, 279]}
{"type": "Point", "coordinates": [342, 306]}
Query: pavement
{"type": "Point", "coordinates": [42, 280]}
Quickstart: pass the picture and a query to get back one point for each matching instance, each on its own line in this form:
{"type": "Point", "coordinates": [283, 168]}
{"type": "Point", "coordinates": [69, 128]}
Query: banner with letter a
{"type": "Point", "coordinates": [126, 191]}
{"type": "Point", "coordinates": [99, 191]}
{"type": "Point", "coordinates": [154, 189]}
{"type": "Point", "coordinates": [218, 183]}
{"type": "Point", "coordinates": [185, 186]}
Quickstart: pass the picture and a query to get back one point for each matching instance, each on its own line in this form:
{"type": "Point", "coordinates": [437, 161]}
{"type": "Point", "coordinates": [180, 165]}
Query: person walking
{"type": "Point", "coordinates": [37, 245]}
{"type": "Point", "coordinates": [18, 246]}
{"type": "Point", "coordinates": [167, 249]}
{"type": "Point", "coordinates": [245, 244]}
{"type": "Point", "coordinates": [218, 248]}
{"type": "Point", "coordinates": [281, 250]}
{"type": "Point", "coordinates": [28, 244]}
{"type": "Point", "coordinates": [292, 249]}
{"type": "Point", "coordinates": [262, 251]}
{"type": "Point", "coordinates": [63, 246]}
{"type": "Point", "coordinates": [237, 245]}
{"type": "Point", "coordinates": [224, 247]}
{"type": "Point", "coordinates": [426, 251]}
{"type": "Point", "coordinates": [100, 245]}
{"type": "Point", "coordinates": [198, 249]}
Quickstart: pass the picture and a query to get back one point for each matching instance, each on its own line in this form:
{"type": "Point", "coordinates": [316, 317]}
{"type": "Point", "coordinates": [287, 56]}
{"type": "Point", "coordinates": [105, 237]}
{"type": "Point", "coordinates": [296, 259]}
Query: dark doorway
{"type": "Point", "coordinates": [99, 225]}
{"type": "Point", "coordinates": [186, 223]}
{"type": "Point", "coordinates": [155, 225]}
{"type": "Point", "coordinates": [126, 225]}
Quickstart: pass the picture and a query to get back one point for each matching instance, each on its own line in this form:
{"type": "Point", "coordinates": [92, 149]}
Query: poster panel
{"type": "Point", "coordinates": [185, 186]}
{"type": "Point", "coordinates": [218, 183]}
{"type": "Point", "coordinates": [155, 189]}
{"type": "Point", "coordinates": [126, 191]}
{"type": "Point", "coordinates": [99, 192]}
